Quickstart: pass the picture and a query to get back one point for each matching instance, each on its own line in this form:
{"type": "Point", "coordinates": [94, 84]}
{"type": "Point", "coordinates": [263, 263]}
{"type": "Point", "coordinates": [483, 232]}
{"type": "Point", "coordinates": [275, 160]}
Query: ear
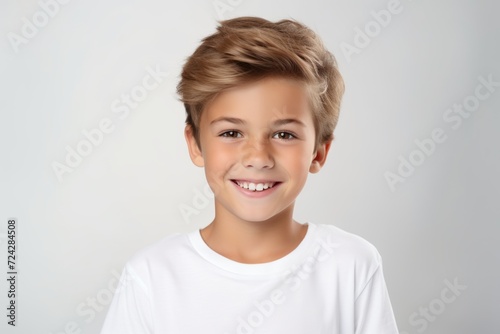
{"type": "Point", "coordinates": [194, 150]}
{"type": "Point", "coordinates": [320, 155]}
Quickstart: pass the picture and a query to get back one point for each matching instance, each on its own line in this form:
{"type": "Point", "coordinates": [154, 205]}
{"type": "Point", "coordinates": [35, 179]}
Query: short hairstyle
{"type": "Point", "coordinates": [246, 49]}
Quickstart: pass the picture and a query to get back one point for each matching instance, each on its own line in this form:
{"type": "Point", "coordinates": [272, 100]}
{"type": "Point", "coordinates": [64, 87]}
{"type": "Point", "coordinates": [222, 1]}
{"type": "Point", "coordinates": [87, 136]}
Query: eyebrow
{"type": "Point", "coordinates": [239, 121]}
{"type": "Point", "coordinates": [285, 121]}
{"type": "Point", "coordinates": [233, 120]}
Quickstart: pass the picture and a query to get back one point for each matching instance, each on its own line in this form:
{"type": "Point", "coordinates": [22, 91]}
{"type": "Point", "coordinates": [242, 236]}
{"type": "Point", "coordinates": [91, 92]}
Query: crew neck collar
{"type": "Point", "coordinates": [278, 266]}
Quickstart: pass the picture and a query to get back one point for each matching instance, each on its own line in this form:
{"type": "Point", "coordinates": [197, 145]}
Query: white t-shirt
{"type": "Point", "coordinates": [332, 282]}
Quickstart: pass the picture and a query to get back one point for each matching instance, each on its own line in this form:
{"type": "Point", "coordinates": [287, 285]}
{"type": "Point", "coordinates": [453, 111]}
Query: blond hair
{"type": "Point", "coordinates": [247, 49]}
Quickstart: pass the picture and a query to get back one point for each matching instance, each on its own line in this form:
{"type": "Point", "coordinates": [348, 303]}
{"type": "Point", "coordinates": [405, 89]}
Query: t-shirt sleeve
{"type": "Point", "coordinates": [373, 308]}
{"type": "Point", "coordinates": [130, 310]}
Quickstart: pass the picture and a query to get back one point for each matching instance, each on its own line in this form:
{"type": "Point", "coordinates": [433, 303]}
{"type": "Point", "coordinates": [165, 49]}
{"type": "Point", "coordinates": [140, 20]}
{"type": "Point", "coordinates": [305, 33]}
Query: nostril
{"type": "Point", "coordinates": [258, 160]}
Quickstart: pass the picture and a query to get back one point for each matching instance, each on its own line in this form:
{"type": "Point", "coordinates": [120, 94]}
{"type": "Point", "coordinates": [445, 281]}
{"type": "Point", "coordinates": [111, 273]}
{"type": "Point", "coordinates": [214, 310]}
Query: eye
{"type": "Point", "coordinates": [230, 134]}
{"type": "Point", "coordinates": [284, 135]}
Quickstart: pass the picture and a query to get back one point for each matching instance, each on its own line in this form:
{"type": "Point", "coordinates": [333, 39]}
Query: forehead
{"type": "Point", "coordinates": [266, 99]}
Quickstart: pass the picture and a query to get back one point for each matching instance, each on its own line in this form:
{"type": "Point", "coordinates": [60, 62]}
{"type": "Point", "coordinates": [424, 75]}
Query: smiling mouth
{"type": "Point", "coordinates": [255, 186]}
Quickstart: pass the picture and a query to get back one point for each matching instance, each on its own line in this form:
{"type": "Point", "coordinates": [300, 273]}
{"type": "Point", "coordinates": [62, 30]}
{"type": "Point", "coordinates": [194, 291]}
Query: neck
{"type": "Point", "coordinates": [253, 241]}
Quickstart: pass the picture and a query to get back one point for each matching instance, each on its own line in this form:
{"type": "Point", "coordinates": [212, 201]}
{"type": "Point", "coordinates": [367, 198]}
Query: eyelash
{"type": "Point", "coordinates": [224, 134]}
{"type": "Point", "coordinates": [289, 135]}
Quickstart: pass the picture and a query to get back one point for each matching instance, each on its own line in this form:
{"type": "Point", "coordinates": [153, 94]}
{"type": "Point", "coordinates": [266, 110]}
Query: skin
{"type": "Point", "coordinates": [241, 139]}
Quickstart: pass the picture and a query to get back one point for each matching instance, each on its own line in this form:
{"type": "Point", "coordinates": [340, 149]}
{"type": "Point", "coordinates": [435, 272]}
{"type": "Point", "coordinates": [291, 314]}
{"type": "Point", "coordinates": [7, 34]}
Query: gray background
{"type": "Point", "coordinates": [75, 234]}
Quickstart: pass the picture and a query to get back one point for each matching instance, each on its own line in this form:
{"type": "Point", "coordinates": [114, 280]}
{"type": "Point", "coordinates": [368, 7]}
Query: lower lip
{"type": "Point", "coordinates": [257, 194]}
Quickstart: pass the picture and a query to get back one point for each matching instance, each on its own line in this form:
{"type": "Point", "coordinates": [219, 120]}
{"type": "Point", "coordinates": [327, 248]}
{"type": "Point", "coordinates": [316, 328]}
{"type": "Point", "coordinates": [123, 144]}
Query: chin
{"type": "Point", "coordinates": [255, 216]}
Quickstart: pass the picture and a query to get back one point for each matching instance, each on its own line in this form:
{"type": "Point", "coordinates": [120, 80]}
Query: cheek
{"type": "Point", "coordinates": [219, 156]}
{"type": "Point", "coordinates": [295, 164]}
{"type": "Point", "coordinates": [304, 169]}
{"type": "Point", "coordinates": [299, 168]}
{"type": "Point", "coordinates": [218, 161]}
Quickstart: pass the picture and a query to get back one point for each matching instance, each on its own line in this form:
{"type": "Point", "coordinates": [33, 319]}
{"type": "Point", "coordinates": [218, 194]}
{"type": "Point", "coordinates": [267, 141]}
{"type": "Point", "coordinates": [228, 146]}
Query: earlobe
{"type": "Point", "coordinates": [194, 150]}
{"type": "Point", "coordinates": [320, 156]}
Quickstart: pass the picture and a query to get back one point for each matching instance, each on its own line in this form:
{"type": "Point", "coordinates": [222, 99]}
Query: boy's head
{"type": "Point", "coordinates": [247, 49]}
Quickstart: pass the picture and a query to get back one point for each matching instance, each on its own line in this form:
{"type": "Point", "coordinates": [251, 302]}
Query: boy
{"type": "Point", "coordinates": [262, 101]}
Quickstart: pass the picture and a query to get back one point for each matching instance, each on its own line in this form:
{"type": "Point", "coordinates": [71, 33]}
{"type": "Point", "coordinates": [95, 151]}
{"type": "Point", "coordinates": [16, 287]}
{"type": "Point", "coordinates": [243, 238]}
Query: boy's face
{"type": "Point", "coordinates": [257, 147]}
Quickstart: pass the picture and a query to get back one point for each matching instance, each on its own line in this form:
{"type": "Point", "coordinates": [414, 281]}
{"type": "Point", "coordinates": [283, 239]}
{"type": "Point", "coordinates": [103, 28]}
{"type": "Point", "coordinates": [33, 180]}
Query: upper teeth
{"type": "Point", "coordinates": [255, 186]}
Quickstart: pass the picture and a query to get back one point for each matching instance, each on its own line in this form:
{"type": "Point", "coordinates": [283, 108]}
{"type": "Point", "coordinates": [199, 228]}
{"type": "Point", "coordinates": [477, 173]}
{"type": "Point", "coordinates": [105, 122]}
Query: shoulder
{"type": "Point", "coordinates": [348, 250]}
{"type": "Point", "coordinates": [347, 243]}
{"type": "Point", "coordinates": [163, 251]}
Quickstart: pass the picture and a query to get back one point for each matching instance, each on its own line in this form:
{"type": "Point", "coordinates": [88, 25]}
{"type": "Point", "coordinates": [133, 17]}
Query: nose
{"type": "Point", "coordinates": [258, 154]}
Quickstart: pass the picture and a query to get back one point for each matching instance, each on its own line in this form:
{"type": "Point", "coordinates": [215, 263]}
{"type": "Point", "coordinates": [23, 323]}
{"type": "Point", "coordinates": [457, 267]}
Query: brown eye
{"type": "Point", "coordinates": [230, 134]}
{"type": "Point", "coordinates": [284, 135]}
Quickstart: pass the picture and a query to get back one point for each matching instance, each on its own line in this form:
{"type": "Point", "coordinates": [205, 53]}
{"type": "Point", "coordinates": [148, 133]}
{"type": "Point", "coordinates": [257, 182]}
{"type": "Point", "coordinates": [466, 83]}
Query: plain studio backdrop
{"type": "Point", "coordinates": [94, 165]}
